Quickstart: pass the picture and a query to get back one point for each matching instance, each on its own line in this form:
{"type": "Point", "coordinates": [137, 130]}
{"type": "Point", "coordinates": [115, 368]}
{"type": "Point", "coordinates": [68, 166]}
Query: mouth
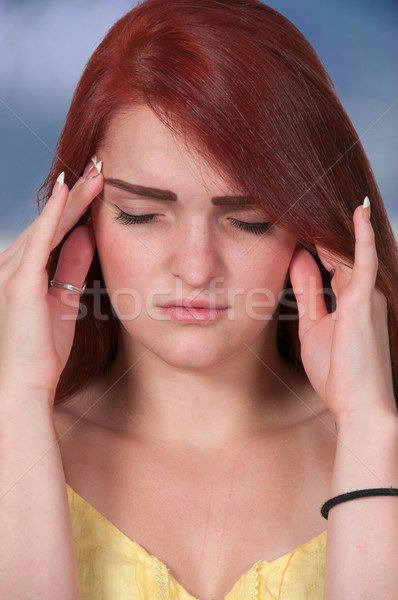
{"type": "Point", "coordinates": [193, 311]}
{"type": "Point", "coordinates": [199, 303]}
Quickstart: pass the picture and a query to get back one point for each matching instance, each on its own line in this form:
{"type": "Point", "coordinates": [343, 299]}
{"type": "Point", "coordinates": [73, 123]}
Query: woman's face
{"type": "Point", "coordinates": [194, 248]}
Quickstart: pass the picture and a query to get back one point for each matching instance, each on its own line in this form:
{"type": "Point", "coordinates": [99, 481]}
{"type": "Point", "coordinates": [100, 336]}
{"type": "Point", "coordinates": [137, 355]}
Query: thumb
{"type": "Point", "coordinates": [306, 280]}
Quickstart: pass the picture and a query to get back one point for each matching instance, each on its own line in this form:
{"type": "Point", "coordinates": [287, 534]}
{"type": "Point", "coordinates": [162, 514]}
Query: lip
{"type": "Point", "coordinates": [193, 303]}
{"type": "Point", "coordinates": [191, 314]}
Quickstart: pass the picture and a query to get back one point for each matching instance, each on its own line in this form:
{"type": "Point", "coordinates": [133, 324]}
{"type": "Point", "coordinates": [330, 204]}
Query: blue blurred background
{"type": "Point", "coordinates": [44, 45]}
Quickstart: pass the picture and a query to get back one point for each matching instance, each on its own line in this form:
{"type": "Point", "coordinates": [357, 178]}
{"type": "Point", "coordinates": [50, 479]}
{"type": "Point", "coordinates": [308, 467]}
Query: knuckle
{"type": "Point", "coordinates": [72, 263]}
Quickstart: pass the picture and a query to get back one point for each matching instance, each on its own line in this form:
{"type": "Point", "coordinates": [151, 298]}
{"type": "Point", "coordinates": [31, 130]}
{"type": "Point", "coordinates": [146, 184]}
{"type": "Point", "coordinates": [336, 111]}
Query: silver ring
{"type": "Point", "coordinates": [68, 286]}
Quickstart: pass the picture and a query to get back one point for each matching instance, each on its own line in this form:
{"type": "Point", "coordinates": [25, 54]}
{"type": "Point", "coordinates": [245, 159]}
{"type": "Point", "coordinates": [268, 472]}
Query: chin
{"type": "Point", "coordinates": [191, 350]}
{"type": "Point", "coordinates": [191, 363]}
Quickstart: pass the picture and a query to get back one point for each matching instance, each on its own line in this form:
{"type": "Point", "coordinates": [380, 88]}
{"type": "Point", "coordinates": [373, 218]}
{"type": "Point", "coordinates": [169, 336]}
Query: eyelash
{"type": "Point", "coordinates": [256, 228]}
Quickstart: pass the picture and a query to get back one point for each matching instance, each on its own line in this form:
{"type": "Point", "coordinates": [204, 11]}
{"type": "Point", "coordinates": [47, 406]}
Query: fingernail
{"type": "Point", "coordinates": [58, 184]}
{"type": "Point", "coordinates": [91, 169]}
{"type": "Point", "coordinates": [94, 171]}
{"type": "Point", "coordinates": [366, 209]}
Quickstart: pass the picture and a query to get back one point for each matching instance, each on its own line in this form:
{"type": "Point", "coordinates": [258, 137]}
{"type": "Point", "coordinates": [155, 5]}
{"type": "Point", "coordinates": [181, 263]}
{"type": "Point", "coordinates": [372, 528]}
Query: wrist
{"type": "Point", "coordinates": [366, 454]}
{"type": "Point", "coordinates": [28, 401]}
{"type": "Point", "coordinates": [366, 422]}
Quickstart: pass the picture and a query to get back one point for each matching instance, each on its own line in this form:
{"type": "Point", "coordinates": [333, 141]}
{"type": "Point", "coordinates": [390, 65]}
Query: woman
{"type": "Point", "coordinates": [233, 361]}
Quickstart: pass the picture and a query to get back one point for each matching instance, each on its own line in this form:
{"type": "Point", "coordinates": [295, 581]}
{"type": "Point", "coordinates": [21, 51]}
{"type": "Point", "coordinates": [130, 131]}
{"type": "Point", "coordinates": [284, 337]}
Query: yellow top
{"type": "Point", "coordinates": [113, 567]}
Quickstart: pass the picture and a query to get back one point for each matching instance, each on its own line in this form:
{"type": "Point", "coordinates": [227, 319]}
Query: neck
{"type": "Point", "coordinates": [197, 408]}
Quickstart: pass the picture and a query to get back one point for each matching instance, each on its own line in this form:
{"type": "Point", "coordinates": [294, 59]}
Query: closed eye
{"type": "Point", "coordinates": [255, 228]}
{"type": "Point", "coordinates": [127, 219]}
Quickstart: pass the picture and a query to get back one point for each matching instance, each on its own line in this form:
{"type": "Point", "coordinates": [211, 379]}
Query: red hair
{"type": "Point", "coordinates": [238, 80]}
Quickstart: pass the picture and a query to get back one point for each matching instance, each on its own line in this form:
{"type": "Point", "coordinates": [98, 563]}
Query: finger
{"type": "Point", "coordinates": [328, 259]}
{"type": "Point", "coordinates": [38, 244]}
{"type": "Point", "coordinates": [15, 250]}
{"type": "Point", "coordinates": [366, 262]}
{"type": "Point", "coordinates": [308, 288]}
{"type": "Point", "coordinates": [77, 202]}
{"type": "Point", "coordinates": [80, 197]}
{"type": "Point", "coordinates": [339, 272]}
{"type": "Point", "coordinates": [46, 237]}
{"type": "Point", "coordinates": [73, 263]}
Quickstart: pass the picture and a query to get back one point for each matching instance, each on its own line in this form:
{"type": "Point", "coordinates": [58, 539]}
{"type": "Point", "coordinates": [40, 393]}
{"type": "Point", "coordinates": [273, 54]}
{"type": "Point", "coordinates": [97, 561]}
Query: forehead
{"type": "Point", "coordinates": [136, 140]}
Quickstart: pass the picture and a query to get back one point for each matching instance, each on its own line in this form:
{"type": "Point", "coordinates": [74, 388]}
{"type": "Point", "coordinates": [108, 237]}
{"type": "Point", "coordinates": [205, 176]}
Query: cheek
{"type": "Point", "coordinates": [265, 275]}
{"type": "Point", "coordinates": [128, 266]}
{"type": "Point", "coordinates": [267, 261]}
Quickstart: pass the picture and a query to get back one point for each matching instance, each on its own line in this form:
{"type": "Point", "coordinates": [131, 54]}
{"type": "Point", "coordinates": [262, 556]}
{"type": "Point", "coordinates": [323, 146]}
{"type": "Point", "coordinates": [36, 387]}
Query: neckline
{"type": "Point", "coordinates": [153, 560]}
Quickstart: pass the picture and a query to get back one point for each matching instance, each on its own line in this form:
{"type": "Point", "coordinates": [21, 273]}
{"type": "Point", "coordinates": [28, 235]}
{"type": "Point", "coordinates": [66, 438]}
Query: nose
{"type": "Point", "coordinates": [194, 256]}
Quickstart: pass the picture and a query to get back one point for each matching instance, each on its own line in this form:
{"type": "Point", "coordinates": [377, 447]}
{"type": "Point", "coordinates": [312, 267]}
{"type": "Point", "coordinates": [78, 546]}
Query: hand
{"type": "Point", "coordinates": [35, 340]}
{"type": "Point", "coordinates": [346, 353]}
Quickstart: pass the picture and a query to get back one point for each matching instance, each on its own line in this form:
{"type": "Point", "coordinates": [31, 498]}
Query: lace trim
{"type": "Point", "coordinates": [162, 578]}
{"type": "Point", "coordinates": [251, 587]}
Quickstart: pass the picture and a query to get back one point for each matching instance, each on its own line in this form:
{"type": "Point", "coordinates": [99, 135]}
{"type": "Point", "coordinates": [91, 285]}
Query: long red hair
{"type": "Point", "coordinates": [237, 80]}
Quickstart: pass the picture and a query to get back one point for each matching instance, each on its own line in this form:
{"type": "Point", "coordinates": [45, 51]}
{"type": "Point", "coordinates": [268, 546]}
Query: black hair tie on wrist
{"type": "Point", "coordinates": [357, 494]}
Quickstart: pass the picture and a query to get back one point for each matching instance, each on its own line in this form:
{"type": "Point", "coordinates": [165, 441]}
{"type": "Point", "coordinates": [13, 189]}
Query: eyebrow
{"type": "Point", "coordinates": [158, 194]}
